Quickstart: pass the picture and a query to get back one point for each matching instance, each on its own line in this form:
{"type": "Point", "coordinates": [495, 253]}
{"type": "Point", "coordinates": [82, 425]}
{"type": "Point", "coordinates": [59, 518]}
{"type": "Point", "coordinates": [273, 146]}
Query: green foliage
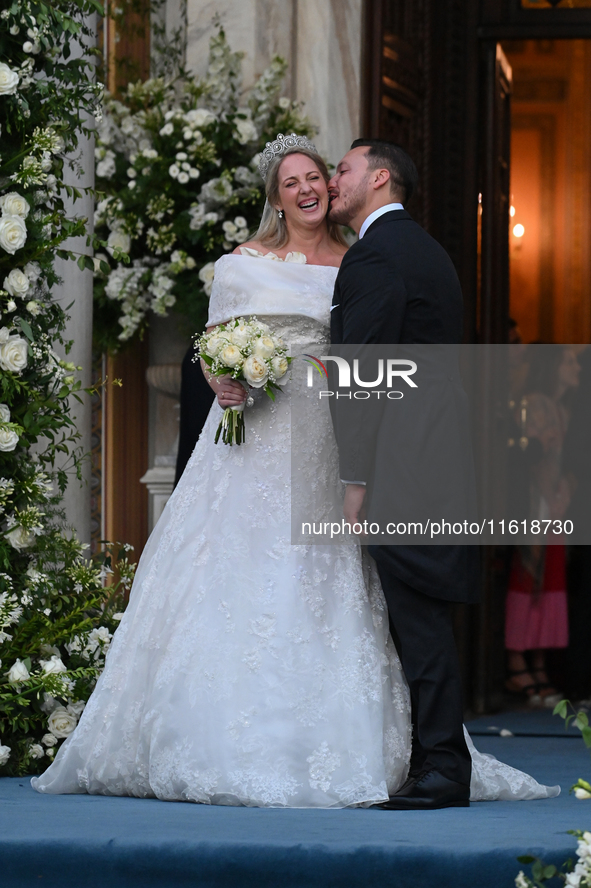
{"type": "Point", "coordinates": [56, 619]}
{"type": "Point", "coordinates": [177, 161]}
{"type": "Point", "coordinates": [56, 624]}
{"type": "Point", "coordinates": [580, 719]}
{"type": "Point", "coordinates": [570, 874]}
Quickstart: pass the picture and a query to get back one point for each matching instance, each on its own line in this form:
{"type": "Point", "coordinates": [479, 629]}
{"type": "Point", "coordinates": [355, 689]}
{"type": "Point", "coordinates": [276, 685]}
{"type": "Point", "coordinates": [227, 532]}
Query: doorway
{"type": "Point", "coordinates": [550, 186]}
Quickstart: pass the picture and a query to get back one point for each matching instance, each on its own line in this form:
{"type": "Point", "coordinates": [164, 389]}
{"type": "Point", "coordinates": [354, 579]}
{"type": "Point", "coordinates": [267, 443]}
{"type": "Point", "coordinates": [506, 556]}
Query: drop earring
{"type": "Point", "coordinates": [280, 214]}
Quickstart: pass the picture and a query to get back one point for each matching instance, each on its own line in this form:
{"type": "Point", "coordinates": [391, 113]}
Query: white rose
{"type": "Point", "coordinates": [61, 723]}
{"type": "Point", "coordinates": [284, 103]}
{"type": "Point", "coordinates": [11, 305]}
{"type": "Point", "coordinates": [4, 413]}
{"type": "Point", "coordinates": [240, 336]}
{"type": "Point", "coordinates": [13, 233]}
{"type": "Point", "coordinates": [13, 204]}
{"type": "Point", "coordinates": [53, 666]}
{"type": "Point", "coordinates": [20, 538]}
{"type": "Point", "coordinates": [280, 367]}
{"type": "Point", "coordinates": [173, 170]}
{"type": "Point", "coordinates": [241, 222]}
{"type": "Point", "coordinates": [4, 750]}
{"type": "Point", "coordinates": [36, 751]}
{"type": "Point", "coordinates": [118, 240]}
{"type": "Point", "coordinates": [255, 371]}
{"type": "Point", "coordinates": [8, 440]}
{"type": "Point", "coordinates": [264, 347]}
{"type": "Point", "coordinates": [49, 740]}
{"type": "Point", "coordinates": [18, 672]}
{"type": "Point", "coordinates": [581, 793]}
{"type": "Point", "coordinates": [13, 354]}
{"type": "Point", "coordinates": [230, 356]}
{"type": "Point", "coordinates": [214, 345]}
{"type": "Point", "coordinates": [17, 283]}
{"type": "Point", "coordinates": [4, 335]}
{"type": "Point", "coordinates": [167, 129]}
{"type": "Point", "coordinates": [8, 80]}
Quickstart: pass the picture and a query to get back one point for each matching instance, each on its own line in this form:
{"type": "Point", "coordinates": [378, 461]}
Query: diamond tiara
{"type": "Point", "coordinates": [280, 146]}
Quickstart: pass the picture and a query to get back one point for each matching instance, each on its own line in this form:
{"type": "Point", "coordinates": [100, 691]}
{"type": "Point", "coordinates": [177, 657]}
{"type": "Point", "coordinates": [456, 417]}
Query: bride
{"type": "Point", "coordinates": [247, 671]}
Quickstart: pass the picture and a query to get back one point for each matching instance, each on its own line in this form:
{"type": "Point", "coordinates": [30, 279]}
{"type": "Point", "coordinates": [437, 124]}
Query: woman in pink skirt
{"type": "Point", "coordinates": [536, 617]}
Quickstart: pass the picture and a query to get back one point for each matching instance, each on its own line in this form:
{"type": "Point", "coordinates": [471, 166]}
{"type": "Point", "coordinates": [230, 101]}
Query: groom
{"type": "Point", "coordinates": [398, 285]}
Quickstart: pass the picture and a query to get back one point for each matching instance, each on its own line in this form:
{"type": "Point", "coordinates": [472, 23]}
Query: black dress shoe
{"type": "Point", "coordinates": [428, 791]}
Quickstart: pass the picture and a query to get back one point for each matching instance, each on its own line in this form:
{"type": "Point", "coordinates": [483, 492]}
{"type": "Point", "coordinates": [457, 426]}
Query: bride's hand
{"type": "Point", "coordinates": [229, 392]}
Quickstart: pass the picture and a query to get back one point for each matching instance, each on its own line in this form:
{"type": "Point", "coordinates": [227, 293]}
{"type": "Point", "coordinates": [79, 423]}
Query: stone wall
{"type": "Point", "coordinates": [321, 41]}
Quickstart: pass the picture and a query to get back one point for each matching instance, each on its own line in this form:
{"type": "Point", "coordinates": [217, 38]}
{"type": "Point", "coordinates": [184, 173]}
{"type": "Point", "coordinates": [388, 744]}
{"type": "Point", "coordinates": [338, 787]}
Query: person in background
{"type": "Point", "coordinates": [536, 616]}
{"type": "Point", "coordinates": [196, 400]}
{"type": "Point", "coordinates": [576, 465]}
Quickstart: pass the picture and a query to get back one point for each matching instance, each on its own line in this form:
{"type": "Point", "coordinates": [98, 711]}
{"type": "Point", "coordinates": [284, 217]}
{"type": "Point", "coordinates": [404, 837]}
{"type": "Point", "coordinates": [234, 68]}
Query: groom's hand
{"type": "Point", "coordinates": [353, 506]}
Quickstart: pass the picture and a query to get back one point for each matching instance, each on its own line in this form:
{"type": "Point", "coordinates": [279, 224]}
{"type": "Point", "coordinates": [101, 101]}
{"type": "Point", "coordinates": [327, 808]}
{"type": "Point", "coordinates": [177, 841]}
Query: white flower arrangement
{"type": "Point", "coordinates": [579, 874]}
{"type": "Point", "coordinates": [50, 593]}
{"type": "Point", "coordinates": [246, 350]}
{"type": "Point", "coordinates": [178, 162]}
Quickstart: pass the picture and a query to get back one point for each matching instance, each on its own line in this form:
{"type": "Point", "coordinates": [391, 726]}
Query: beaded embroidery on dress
{"type": "Point", "coordinates": [245, 670]}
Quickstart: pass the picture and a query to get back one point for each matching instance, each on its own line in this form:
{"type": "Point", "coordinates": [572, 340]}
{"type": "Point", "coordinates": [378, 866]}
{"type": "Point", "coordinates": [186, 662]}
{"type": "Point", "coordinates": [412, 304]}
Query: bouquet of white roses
{"type": "Point", "coordinates": [246, 350]}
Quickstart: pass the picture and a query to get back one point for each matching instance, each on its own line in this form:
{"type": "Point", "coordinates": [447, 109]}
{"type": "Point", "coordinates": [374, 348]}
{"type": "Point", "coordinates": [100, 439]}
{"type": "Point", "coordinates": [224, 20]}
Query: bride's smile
{"type": "Point", "coordinates": [303, 193]}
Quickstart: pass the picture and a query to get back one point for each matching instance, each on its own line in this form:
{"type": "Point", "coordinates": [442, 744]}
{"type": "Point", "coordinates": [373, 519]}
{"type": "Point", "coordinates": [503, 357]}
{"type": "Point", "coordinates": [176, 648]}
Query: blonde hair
{"type": "Point", "coordinates": [272, 231]}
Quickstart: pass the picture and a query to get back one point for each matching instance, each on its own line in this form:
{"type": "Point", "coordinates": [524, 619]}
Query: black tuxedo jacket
{"type": "Point", "coordinates": [397, 285]}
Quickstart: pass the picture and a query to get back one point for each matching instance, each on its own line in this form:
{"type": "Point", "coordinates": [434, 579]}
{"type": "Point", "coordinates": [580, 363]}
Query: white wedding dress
{"type": "Point", "coordinates": [247, 671]}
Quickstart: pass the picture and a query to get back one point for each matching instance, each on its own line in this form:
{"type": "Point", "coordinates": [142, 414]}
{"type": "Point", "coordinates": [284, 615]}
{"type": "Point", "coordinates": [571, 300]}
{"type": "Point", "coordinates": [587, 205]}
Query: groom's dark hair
{"type": "Point", "coordinates": [387, 155]}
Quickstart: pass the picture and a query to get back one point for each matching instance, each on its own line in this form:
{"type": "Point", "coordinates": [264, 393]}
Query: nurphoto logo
{"type": "Point", "coordinates": [387, 372]}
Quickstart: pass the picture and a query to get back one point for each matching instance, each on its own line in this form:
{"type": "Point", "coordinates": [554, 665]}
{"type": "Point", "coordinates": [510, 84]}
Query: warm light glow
{"type": "Point", "coordinates": [512, 211]}
{"type": "Point", "coordinates": [518, 230]}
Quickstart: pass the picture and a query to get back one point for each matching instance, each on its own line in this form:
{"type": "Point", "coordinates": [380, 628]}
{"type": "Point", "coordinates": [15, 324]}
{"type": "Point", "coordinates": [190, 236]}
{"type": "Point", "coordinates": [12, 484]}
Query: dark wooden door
{"type": "Point", "coordinates": [492, 325]}
{"type": "Point", "coordinates": [494, 194]}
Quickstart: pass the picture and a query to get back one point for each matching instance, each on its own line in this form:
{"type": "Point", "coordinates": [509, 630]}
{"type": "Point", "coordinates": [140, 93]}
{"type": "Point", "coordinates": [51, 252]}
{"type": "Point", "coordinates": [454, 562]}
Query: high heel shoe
{"type": "Point", "coordinates": [528, 691]}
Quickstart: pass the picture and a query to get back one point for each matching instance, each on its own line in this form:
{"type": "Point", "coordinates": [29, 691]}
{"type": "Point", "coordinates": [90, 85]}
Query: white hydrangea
{"type": "Point", "coordinates": [246, 131]}
{"type": "Point", "coordinates": [200, 117]}
{"type": "Point", "coordinates": [200, 216]}
{"type": "Point", "coordinates": [106, 167]}
{"type": "Point", "coordinates": [216, 192]}
{"type": "Point", "coordinates": [206, 274]}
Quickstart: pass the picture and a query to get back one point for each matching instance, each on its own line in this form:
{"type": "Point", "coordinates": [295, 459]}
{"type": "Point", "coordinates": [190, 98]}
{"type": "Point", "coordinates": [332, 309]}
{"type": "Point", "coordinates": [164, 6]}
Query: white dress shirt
{"type": "Point", "coordinates": [376, 215]}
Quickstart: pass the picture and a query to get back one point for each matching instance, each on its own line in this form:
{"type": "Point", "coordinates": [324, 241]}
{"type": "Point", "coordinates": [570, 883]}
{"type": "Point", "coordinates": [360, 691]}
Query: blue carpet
{"type": "Point", "coordinates": [88, 841]}
{"type": "Point", "coordinates": [525, 723]}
